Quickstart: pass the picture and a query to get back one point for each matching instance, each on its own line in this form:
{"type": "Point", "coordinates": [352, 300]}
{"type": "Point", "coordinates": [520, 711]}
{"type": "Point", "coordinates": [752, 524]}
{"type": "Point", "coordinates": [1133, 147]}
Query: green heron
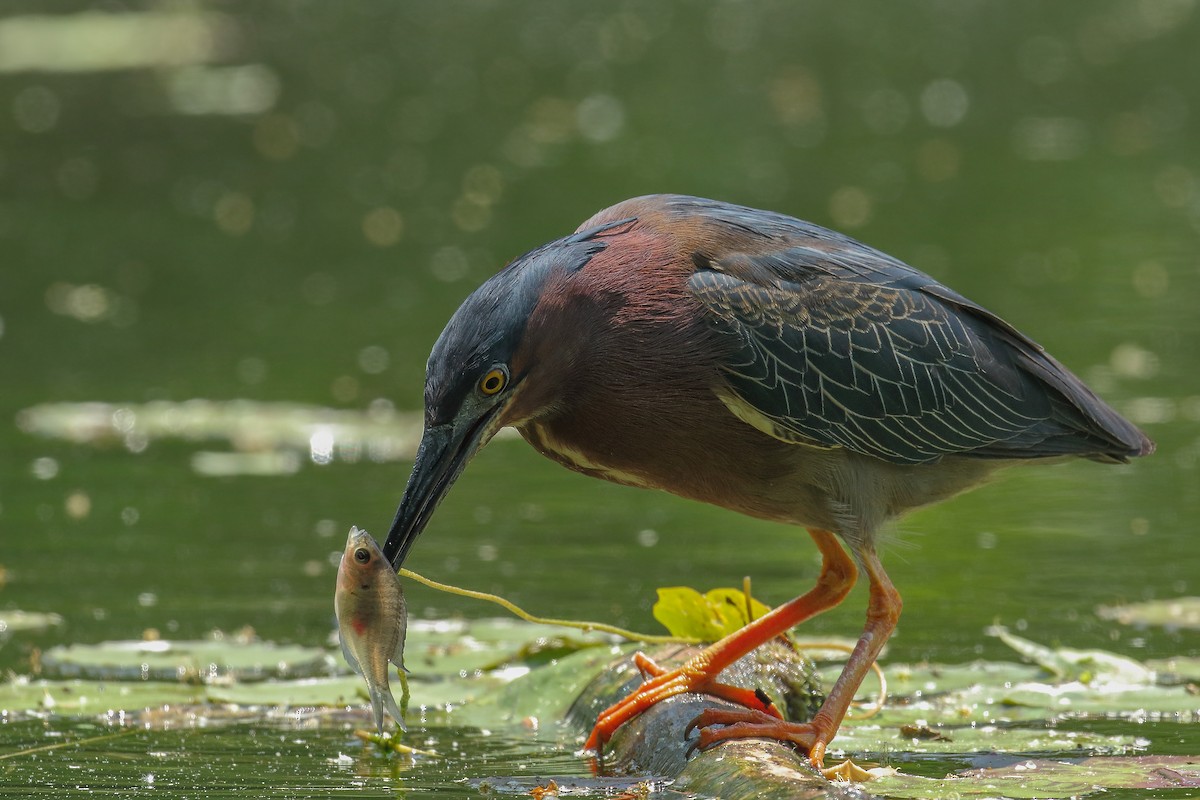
{"type": "Point", "coordinates": [763, 364]}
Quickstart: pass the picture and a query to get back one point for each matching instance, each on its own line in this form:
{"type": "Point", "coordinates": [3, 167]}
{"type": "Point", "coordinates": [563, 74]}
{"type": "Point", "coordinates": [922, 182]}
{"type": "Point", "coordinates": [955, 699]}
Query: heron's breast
{"type": "Point", "coordinates": [579, 458]}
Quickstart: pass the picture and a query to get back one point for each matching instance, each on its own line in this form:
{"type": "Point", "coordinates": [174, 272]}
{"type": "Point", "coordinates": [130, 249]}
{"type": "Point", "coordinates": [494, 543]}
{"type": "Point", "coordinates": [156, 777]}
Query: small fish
{"type": "Point", "coordinates": [372, 619]}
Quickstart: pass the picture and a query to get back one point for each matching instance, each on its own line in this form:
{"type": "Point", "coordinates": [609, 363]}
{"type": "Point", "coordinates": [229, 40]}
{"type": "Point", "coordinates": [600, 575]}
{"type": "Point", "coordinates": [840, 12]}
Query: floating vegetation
{"type": "Point", "coordinates": [1049, 779]}
{"type": "Point", "coordinates": [1098, 667]}
{"type": "Point", "coordinates": [23, 694]}
{"type": "Point", "coordinates": [875, 741]}
{"type": "Point", "coordinates": [201, 661]}
{"type": "Point", "coordinates": [707, 617]}
{"type": "Point", "coordinates": [391, 744]}
{"type": "Point", "coordinates": [1180, 613]}
{"type": "Point", "coordinates": [261, 431]}
{"type": "Point", "coordinates": [495, 672]}
{"type": "Point", "coordinates": [570, 786]}
{"type": "Point", "coordinates": [13, 621]}
{"type": "Point", "coordinates": [504, 672]}
{"type": "Point", "coordinates": [455, 661]}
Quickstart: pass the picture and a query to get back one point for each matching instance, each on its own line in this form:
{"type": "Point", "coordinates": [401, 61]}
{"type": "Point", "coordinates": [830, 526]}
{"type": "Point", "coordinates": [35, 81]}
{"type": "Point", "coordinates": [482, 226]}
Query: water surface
{"type": "Point", "coordinates": [288, 204]}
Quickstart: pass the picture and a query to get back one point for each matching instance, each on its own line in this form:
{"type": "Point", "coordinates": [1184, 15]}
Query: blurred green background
{"type": "Point", "coordinates": [285, 201]}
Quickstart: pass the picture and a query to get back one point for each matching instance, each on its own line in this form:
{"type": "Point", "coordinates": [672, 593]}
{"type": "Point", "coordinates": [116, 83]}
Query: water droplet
{"type": "Point", "coordinates": [600, 117]}
{"type": "Point", "coordinates": [373, 359]}
{"type": "Point", "coordinates": [36, 109]}
{"type": "Point", "coordinates": [78, 505]}
{"type": "Point", "coordinates": [320, 446]}
{"type": "Point", "coordinates": [944, 102]}
{"type": "Point", "coordinates": [234, 213]}
{"type": "Point", "coordinates": [449, 264]}
{"type": "Point", "coordinates": [886, 111]}
{"type": "Point", "coordinates": [319, 288]}
{"type": "Point", "coordinates": [850, 207]}
{"type": "Point", "coordinates": [276, 136]}
{"type": "Point", "coordinates": [44, 468]}
{"type": "Point", "coordinates": [252, 370]}
{"type": "Point", "coordinates": [383, 226]}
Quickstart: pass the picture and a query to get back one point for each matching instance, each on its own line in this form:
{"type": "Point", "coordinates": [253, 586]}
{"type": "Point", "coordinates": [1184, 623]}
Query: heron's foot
{"type": "Point", "coordinates": [718, 724]}
{"type": "Point", "coordinates": [661, 683]}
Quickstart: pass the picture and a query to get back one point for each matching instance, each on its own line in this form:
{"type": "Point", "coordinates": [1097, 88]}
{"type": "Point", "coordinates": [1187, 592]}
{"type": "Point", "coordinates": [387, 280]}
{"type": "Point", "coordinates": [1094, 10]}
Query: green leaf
{"type": "Point", "coordinates": [686, 613]}
{"type": "Point", "coordinates": [732, 605]}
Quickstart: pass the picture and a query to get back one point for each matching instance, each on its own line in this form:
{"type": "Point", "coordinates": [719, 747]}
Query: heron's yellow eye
{"type": "Point", "coordinates": [493, 381]}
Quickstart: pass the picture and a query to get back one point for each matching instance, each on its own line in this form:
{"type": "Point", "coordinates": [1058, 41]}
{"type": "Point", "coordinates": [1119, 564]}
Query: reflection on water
{"type": "Point", "coordinates": [285, 202]}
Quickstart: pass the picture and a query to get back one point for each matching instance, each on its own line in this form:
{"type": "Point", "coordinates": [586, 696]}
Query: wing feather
{"type": "Point", "coordinates": [880, 368]}
{"type": "Point", "coordinates": [836, 344]}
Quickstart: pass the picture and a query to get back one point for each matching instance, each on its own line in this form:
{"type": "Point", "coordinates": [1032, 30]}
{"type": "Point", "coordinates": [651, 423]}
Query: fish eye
{"type": "Point", "coordinates": [362, 555]}
{"type": "Point", "coordinates": [495, 380]}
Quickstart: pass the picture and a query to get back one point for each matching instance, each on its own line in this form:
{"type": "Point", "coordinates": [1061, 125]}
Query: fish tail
{"type": "Point", "coordinates": [381, 698]}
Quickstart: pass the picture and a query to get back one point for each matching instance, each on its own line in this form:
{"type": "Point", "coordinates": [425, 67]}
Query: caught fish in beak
{"type": "Point", "coordinates": [372, 619]}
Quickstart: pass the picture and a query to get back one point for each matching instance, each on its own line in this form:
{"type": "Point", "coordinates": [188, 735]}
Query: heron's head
{"type": "Point", "coordinates": [484, 374]}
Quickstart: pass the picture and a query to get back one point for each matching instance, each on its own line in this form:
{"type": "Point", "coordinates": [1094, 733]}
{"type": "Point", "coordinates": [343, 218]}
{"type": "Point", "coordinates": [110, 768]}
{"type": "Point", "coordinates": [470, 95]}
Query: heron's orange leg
{"type": "Point", "coordinates": [699, 673]}
{"type": "Point", "coordinates": [883, 610]}
{"type": "Point", "coordinates": [734, 694]}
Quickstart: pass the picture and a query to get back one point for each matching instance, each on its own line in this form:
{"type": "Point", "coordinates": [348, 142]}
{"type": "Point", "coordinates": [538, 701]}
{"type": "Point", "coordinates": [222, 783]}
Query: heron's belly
{"type": "Point", "coordinates": [766, 478]}
{"type": "Point", "coordinates": [759, 484]}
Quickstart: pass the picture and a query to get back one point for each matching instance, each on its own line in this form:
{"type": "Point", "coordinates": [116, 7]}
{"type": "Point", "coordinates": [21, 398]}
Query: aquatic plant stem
{"type": "Point", "coordinates": [586, 627]}
{"type": "Point", "coordinates": [632, 636]}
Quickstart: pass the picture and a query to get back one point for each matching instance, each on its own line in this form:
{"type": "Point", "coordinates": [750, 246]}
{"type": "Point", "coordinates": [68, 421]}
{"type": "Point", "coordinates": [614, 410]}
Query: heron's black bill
{"type": "Point", "coordinates": [441, 458]}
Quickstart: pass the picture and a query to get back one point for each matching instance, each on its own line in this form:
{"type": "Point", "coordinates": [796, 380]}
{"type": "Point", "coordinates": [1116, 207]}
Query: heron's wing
{"type": "Point", "coordinates": [834, 344]}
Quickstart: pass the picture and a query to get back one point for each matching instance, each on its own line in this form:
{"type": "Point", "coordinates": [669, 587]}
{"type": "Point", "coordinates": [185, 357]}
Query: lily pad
{"type": "Point", "coordinates": [1087, 666]}
{"type": "Point", "coordinates": [1074, 699]}
{"type": "Point", "coordinates": [986, 693]}
{"type": "Point", "coordinates": [1049, 779]}
{"type": "Point", "coordinates": [973, 739]}
{"type": "Point", "coordinates": [546, 693]}
{"type": "Point", "coordinates": [92, 697]}
{"type": "Point", "coordinates": [317, 433]}
{"type": "Point", "coordinates": [13, 621]}
{"type": "Point", "coordinates": [342, 690]}
{"type": "Point", "coordinates": [202, 661]}
{"type": "Point", "coordinates": [826, 648]}
{"type": "Point", "coordinates": [224, 465]}
{"type": "Point", "coordinates": [1177, 669]}
{"type": "Point", "coordinates": [1180, 613]}
{"type": "Point", "coordinates": [346, 690]}
{"type": "Point", "coordinates": [452, 648]}
{"type": "Point", "coordinates": [929, 680]}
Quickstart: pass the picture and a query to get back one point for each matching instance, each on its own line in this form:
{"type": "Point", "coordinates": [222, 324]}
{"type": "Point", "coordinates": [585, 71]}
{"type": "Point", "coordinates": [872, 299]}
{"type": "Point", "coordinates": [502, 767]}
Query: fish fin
{"type": "Point", "coordinates": [377, 695]}
{"type": "Point", "coordinates": [398, 656]}
{"type": "Point", "coordinates": [381, 698]}
{"type": "Point", "coordinates": [346, 654]}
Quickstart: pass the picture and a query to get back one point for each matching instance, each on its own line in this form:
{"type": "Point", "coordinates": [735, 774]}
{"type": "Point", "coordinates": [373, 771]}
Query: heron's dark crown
{"type": "Point", "coordinates": [488, 327]}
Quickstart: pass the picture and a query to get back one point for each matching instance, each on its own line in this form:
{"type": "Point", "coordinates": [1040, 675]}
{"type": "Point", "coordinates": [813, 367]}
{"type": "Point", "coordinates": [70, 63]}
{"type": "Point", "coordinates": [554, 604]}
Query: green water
{"type": "Point", "coordinates": [358, 168]}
